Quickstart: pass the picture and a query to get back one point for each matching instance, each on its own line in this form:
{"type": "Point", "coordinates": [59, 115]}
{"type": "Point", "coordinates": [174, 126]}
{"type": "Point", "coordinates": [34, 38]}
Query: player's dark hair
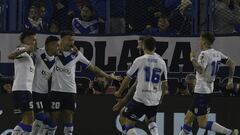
{"type": "Point", "coordinates": [150, 43]}
{"type": "Point", "coordinates": [66, 33]}
{"type": "Point", "coordinates": [163, 16]}
{"type": "Point", "coordinates": [209, 36]}
{"type": "Point", "coordinates": [25, 34]}
{"type": "Point", "coordinates": [51, 39]}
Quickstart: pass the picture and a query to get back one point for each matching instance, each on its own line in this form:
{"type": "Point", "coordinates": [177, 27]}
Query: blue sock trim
{"type": "Point", "coordinates": [123, 127]}
{"type": "Point", "coordinates": [129, 127]}
{"type": "Point", "coordinates": [47, 120]}
{"type": "Point", "coordinates": [68, 124]}
{"type": "Point", "coordinates": [40, 116]}
{"type": "Point", "coordinates": [52, 125]}
{"type": "Point", "coordinates": [209, 125]}
{"type": "Point", "coordinates": [187, 128]}
{"type": "Point", "coordinates": [27, 128]}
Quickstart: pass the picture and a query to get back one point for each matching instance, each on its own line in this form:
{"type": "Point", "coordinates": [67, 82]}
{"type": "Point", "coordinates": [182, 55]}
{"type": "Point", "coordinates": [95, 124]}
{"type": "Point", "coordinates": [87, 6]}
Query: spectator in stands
{"type": "Point", "coordinates": [86, 23]}
{"type": "Point", "coordinates": [54, 27]}
{"type": "Point", "coordinates": [182, 90]}
{"type": "Point", "coordinates": [180, 16]}
{"type": "Point", "coordinates": [163, 28]}
{"type": "Point", "coordinates": [46, 13]}
{"type": "Point", "coordinates": [100, 85]}
{"type": "Point", "coordinates": [33, 21]}
{"type": "Point", "coordinates": [225, 19]}
{"type": "Point", "coordinates": [5, 84]}
{"type": "Point", "coordinates": [190, 82]}
{"type": "Point", "coordinates": [40, 15]}
{"type": "Point", "coordinates": [117, 11]}
{"type": "Point", "coordinates": [81, 3]}
{"type": "Point", "coordinates": [232, 92]}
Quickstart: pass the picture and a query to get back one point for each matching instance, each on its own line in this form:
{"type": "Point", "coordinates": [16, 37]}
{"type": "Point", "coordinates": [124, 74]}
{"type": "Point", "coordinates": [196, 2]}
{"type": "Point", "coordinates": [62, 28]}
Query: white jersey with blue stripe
{"type": "Point", "coordinates": [24, 72]}
{"type": "Point", "coordinates": [63, 76]}
{"type": "Point", "coordinates": [43, 71]}
{"type": "Point", "coordinates": [84, 27]}
{"type": "Point", "coordinates": [209, 60]}
{"type": "Point", "coordinates": [150, 70]}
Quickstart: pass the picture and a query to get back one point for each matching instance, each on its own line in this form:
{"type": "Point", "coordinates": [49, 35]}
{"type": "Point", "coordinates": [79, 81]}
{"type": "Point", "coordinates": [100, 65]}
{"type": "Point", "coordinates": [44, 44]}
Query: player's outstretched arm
{"type": "Point", "coordinates": [164, 88]}
{"type": "Point", "coordinates": [19, 51]}
{"type": "Point", "coordinates": [231, 66]}
{"type": "Point", "coordinates": [123, 86]}
{"type": "Point", "coordinates": [122, 102]}
{"type": "Point", "coordinates": [99, 72]}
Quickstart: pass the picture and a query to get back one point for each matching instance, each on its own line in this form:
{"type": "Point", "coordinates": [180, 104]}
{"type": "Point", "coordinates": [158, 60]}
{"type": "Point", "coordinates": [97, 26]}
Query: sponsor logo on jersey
{"type": "Point", "coordinates": [63, 70]}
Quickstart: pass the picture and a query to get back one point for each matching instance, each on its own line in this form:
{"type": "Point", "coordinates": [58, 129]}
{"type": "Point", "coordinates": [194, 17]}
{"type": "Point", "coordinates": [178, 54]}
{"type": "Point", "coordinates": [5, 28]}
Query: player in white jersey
{"type": "Point", "coordinates": [44, 65]}
{"type": "Point", "coordinates": [151, 74]}
{"type": "Point", "coordinates": [22, 85]}
{"type": "Point", "coordinates": [63, 89]}
{"type": "Point", "coordinates": [120, 106]}
{"type": "Point", "coordinates": [206, 67]}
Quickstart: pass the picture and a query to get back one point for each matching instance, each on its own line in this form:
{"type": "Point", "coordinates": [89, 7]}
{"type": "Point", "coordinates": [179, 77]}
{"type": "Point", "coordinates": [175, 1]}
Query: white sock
{"type": "Point", "coordinates": [17, 130]}
{"type": "Point", "coordinates": [220, 129]}
{"type": "Point", "coordinates": [36, 126]}
{"type": "Point", "coordinates": [43, 130]}
{"type": "Point", "coordinates": [52, 130]}
{"type": "Point", "coordinates": [132, 131]}
{"type": "Point", "coordinates": [68, 129]}
{"type": "Point", "coordinates": [183, 133]}
{"type": "Point", "coordinates": [153, 128]}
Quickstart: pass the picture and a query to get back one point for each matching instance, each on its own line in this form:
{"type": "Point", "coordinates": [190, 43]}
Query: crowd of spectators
{"type": "Point", "coordinates": [181, 17]}
{"type": "Point", "coordinates": [226, 16]}
{"type": "Point", "coordinates": [156, 17]}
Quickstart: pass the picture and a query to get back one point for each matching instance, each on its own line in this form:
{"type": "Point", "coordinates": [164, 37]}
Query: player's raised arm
{"type": "Point", "coordinates": [19, 51]}
{"type": "Point", "coordinates": [29, 44]}
{"type": "Point", "coordinates": [199, 67]}
{"type": "Point", "coordinates": [231, 71]}
{"type": "Point", "coordinates": [122, 102]}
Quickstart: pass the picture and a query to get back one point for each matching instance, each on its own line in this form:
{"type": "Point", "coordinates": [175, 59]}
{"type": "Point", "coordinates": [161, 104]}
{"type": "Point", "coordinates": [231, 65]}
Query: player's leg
{"type": "Point", "coordinates": [130, 125]}
{"type": "Point", "coordinates": [68, 120]}
{"type": "Point", "coordinates": [152, 125]}
{"type": "Point", "coordinates": [56, 107]}
{"type": "Point", "coordinates": [190, 116]}
{"type": "Point", "coordinates": [47, 120]}
{"type": "Point", "coordinates": [39, 112]}
{"type": "Point", "coordinates": [132, 113]}
{"type": "Point", "coordinates": [122, 121]}
{"type": "Point", "coordinates": [69, 106]}
{"type": "Point", "coordinates": [150, 119]}
{"type": "Point", "coordinates": [23, 101]}
{"type": "Point", "coordinates": [188, 121]}
{"type": "Point", "coordinates": [213, 126]}
{"type": "Point", "coordinates": [203, 108]}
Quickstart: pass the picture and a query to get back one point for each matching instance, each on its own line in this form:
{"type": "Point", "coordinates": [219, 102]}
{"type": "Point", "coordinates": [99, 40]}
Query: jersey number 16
{"type": "Point", "coordinates": [152, 75]}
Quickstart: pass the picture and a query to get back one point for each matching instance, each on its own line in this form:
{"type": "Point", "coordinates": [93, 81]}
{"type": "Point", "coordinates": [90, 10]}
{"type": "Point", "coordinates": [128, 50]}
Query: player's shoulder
{"type": "Point", "coordinates": [140, 58]}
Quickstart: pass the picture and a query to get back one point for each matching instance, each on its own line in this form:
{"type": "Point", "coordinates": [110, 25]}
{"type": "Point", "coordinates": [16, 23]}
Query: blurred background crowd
{"type": "Point", "coordinates": [155, 17]}
{"type": "Point", "coordinates": [101, 85]}
{"type": "Point", "coordinates": [152, 17]}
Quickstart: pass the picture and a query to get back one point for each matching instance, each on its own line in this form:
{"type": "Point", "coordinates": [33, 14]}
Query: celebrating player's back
{"type": "Point", "coordinates": [22, 85]}
{"type": "Point", "coordinates": [206, 66]}
{"type": "Point", "coordinates": [151, 74]}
